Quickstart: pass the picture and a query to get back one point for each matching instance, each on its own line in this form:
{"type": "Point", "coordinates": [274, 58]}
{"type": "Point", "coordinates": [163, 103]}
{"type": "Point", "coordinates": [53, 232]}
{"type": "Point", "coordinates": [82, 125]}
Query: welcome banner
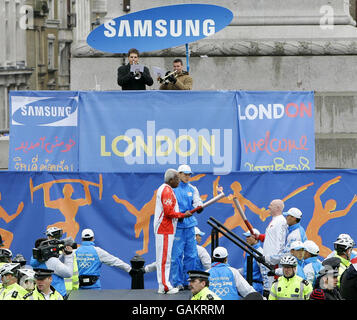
{"type": "Point", "coordinates": [276, 130]}
{"type": "Point", "coordinates": [119, 207]}
{"type": "Point", "coordinates": [150, 131]}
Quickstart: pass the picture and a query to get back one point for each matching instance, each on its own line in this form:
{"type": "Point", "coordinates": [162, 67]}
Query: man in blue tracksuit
{"type": "Point", "coordinates": [184, 250]}
{"type": "Point", "coordinates": [90, 259]}
{"type": "Point", "coordinates": [295, 231]}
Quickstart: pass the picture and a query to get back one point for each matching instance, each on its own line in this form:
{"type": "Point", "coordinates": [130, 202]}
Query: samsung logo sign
{"type": "Point", "coordinates": [159, 28]}
{"type": "Point", "coordinates": [162, 28]}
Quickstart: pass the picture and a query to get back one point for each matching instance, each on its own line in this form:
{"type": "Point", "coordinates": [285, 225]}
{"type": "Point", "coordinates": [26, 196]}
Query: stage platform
{"type": "Point", "coordinates": [137, 294]}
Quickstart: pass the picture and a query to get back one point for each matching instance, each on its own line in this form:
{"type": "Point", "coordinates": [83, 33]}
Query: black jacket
{"type": "Point", "coordinates": [127, 81]}
{"type": "Point", "coordinates": [348, 283]}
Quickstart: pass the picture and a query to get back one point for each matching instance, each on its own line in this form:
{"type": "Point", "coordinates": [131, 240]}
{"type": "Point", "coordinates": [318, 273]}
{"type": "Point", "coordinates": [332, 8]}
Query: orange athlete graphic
{"type": "Point", "coordinates": [323, 213]}
{"type": "Point", "coordinates": [235, 220]}
{"type": "Point", "coordinates": [7, 236]}
{"type": "Point", "coordinates": [144, 214]}
{"type": "Point", "coordinates": [66, 205]}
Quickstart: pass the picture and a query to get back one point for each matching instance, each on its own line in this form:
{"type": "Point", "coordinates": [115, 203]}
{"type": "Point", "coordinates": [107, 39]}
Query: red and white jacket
{"type": "Point", "coordinates": [166, 210]}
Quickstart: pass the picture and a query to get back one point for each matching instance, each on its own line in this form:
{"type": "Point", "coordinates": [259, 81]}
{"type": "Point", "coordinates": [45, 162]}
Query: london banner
{"type": "Point", "coordinates": [150, 131]}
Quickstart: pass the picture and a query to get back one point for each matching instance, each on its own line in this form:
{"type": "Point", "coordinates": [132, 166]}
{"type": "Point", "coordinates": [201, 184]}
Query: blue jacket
{"type": "Point", "coordinates": [295, 233]}
{"type": "Point", "coordinates": [257, 276]}
{"type": "Point", "coordinates": [88, 262]}
{"type": "Point", "coordinates": [221, 281]}
{"type": "Point", "coordinates": [187, 198]}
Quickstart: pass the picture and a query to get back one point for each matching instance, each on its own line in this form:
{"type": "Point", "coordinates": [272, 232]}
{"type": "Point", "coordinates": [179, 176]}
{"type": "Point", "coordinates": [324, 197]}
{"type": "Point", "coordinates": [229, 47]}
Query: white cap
{"type": "Point", "coordinates": [87, 233]}
{"type": "Point", "coordinates": [296, 245]}
{"type": "Point", "coordinates": [220, 252]}
{"type": "Point", "coordinates": [184, 168]}
{"type": "Point", "coordinates": [312, 247]}
{"type": "Point", "coordinates": [248, 234]}
{"type": "Point", "coordinates": [198, 231]}
{"type": "Point", "coordinates": [294, 212]}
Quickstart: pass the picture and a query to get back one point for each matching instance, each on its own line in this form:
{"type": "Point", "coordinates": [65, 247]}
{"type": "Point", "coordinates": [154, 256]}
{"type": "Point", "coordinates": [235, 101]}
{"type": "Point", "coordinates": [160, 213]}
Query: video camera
{"type": "Point", "coordinates": [52, 248]}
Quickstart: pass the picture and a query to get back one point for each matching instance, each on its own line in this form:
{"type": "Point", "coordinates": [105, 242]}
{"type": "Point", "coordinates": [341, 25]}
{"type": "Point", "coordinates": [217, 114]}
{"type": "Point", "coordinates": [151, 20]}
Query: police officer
{"type": "Point", "coordinates": [61, 269]}
{"type": "Point", "coordinates": [290, 286]}
{"type": "Point", "coordinates": [71, 283]}
{"type": "Point", "coordinates": [325, 287]}
{"type": "Point", "coordinates": [225, 281]}
{"type": "Point", "coordinates": [43, 289]}
{"type": "Point", "coordinates": [199, 286]}
{"type": "Point", "coordinates": [343, 247]}
{"type": "Point", "coordinates": [5, 256]}
{"type": "Point", "coordinates": [26, 279]}
{"type": "Point", "coordinates": [184, 249]}
{"type": "Point", "coordinates": [11, 290]}
{"type": "Point", "coordinates": [90, 259]}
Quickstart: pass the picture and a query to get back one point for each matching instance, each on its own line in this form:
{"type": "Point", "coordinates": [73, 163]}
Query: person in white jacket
{"type": "Point", "coordinates": [275, 237]}
{"type": "Point", "coordinates": [204, 260]}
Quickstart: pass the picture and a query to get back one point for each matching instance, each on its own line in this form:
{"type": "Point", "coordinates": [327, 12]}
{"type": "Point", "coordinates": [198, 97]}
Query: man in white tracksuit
{"type": "Point", "coordinates": [274, 242]}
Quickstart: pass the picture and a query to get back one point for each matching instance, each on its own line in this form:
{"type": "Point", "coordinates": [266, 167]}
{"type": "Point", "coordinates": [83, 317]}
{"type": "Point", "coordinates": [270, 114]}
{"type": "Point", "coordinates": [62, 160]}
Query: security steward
{"type": "Point", "coordinates": [290, 286]}
{"type": "Point", "coordinates": [198, 284]}
{"type": "Point", "coordinates": [11, 290]}
{"type": "Point", "coordinates": [43, 289]}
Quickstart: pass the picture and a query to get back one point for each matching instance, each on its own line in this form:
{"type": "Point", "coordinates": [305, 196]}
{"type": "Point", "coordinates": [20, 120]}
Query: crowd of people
{"type": "Point", "coordinates": [287, 265]}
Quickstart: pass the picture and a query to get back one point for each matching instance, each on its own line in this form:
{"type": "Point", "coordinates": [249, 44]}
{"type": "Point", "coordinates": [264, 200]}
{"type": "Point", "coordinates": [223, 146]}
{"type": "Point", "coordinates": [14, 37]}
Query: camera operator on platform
{"type": "Point", "coordinates": [46, 255]}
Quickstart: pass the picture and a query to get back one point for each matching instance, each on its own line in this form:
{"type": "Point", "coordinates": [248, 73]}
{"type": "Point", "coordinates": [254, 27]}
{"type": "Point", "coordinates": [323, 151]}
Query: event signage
{"type": "Point", "coordinates": [150, 131]}
{"type": "Point", "coordinates": [159, 28]}
{"type": "Point", "coordinates": [276, 130]}
{"type": "Point", "coordinates": [43, 131]}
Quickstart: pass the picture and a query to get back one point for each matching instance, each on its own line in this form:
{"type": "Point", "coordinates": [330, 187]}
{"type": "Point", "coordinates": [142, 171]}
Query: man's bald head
{"type": "Point", "coordinates": [276, 207]}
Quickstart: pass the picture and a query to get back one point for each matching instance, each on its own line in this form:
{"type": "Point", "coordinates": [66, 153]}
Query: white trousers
{"type": "Point", "coordinates": [163, 244]}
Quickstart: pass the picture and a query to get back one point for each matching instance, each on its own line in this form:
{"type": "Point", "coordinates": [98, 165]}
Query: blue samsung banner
{"type": "Point", "coordinates": [159, 28]}
{"type": "Point", "coordinates": [43, 131]}
{"type": "Point", "coordinates": [276, 130]}
{"type": "Point", "coordinates": [119, 207]}
{"type": "Point", "coordinates": [150, 131]}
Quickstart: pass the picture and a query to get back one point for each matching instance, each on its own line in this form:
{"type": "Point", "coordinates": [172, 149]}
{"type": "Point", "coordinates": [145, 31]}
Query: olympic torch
{"type": "Point", "coordinates": [209, 202]}
{"type": "Point", "coordinates": [244, 217]}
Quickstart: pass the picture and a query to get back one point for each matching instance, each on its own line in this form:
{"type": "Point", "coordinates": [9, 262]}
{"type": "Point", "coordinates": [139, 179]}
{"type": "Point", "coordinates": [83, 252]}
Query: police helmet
{"type": "Point", "coordinates": [19, 258]}
{"type": "Point", "coordinates": [289, 261]}
{"type": "Point", "coordinates": [54, 232]}
{"type": "Point", "coordinates": [9, 268]}
{"type": "Point", "coordinates": [5, 255]}
{"type": "Point", "coordinates": [341, 245]}
{"type": "Point", "coordinates": [27, 278]}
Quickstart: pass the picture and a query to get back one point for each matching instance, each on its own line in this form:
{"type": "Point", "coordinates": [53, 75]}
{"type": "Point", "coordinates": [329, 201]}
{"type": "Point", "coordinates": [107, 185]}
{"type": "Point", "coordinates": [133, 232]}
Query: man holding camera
{"type": "Point", "coordinates": [90, 259]}
{"type": "Point", "coordinates": [46, 255]}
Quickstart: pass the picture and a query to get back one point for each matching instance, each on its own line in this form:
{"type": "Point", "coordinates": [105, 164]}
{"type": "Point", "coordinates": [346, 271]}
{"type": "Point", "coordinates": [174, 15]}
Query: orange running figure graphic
{"type": "Point", "coordinates": [323, 213]}
{"type": "Point", "coordinates": [66, 205]}
{"type": "Point", "coordinates": [143, 216]}
{"type": "Point", "coordinates": [6, 235]}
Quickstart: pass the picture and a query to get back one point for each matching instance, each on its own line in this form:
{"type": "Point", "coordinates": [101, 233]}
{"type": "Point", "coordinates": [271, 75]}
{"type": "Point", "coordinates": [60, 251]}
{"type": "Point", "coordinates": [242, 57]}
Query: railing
{"type": "Point", "coordinates": [218, 227]}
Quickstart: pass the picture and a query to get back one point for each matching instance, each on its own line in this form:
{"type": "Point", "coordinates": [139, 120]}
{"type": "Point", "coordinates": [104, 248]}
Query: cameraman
{"type": "Point", "coordinates": [62, 267]}
{"type": "Point", "coordinates": [90, 259]}
{"type": "Point", "coordinates": [73, 282]}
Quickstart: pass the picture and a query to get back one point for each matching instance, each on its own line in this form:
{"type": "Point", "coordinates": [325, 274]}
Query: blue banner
{"type": "Point", "coordinates": [43, 131]}
{"type": "Point", "coordinates": [276, 130]}
{"type": "Point", "coordinates": [148, 131]}
{"type": "Point", "coordinates": [119, 207]}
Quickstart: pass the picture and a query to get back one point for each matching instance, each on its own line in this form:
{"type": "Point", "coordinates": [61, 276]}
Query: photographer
{"type": "Point", "coordinates": [46, 256]}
